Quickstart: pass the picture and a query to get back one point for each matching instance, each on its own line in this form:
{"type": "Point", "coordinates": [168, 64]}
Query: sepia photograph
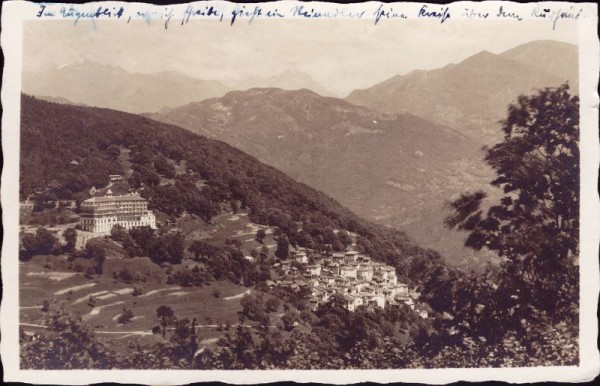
{"type": "Point", "coordinates": [290, 188]}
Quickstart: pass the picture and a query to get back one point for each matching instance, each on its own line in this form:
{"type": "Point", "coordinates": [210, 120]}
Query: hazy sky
{"type": "Point", "coordinates": [341, 55]}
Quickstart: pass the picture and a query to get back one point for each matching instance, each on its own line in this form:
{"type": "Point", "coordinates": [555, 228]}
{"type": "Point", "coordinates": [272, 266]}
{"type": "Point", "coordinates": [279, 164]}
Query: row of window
{"type": "Point", "coordinates": [107, 227]}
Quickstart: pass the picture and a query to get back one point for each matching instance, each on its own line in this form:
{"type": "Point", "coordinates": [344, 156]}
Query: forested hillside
{"type": "Point", "coordinates": [395, 170]}
{"type": "Point", "coordinates": [55, 135]}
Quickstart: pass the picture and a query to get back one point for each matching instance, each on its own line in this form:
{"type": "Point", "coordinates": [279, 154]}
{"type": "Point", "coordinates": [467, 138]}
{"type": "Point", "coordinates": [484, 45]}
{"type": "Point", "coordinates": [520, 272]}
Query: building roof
{"type": "Point", "coordinates": [125, 197]}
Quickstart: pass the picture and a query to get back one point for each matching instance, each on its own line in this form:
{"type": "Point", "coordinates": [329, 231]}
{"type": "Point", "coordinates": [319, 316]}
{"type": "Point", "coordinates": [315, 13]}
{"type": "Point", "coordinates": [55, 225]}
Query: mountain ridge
{"type": "Point", "coordinates": [101, 85]}
{"type": "Point", "coordinates": [290, 79]}
{"type": "Point", "coordinates": [473, 95]}
{"type": "Point", "coordinates": [395, 169]}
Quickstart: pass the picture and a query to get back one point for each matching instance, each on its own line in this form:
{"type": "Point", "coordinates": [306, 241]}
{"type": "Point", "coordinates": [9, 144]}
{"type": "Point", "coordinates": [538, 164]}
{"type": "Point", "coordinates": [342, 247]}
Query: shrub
{"type": "Point", "coordinates": [125, 317]}
{"type": "Point", "coordinates": [137, 291]}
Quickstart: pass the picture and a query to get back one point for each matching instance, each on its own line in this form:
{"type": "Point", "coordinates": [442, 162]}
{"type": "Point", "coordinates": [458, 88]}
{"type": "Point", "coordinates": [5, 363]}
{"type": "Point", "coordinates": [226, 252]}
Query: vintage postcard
{"type": "Point", "coordinates": [307, 191]}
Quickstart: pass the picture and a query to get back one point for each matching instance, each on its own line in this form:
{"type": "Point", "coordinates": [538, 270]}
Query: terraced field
{"type": "Point", "coordinates": [110, 298]}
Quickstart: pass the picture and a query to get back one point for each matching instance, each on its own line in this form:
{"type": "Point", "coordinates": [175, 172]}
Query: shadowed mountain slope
{"type": "Point", "coordinates": [395, 169]}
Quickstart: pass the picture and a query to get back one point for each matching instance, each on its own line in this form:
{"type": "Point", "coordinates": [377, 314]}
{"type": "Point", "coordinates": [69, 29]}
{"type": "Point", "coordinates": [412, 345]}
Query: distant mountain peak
{"type": "Point", "coordinates": [87, 64]}
{"type": "Point", "coordinates": [543, 44]}
{"type": "Point", "coordinates": [474, 95]}
{"type": "Point", "coordinates": [481, 56]}
{"type": "Point", "coordinates": [104, 85]}
{"type": "Point", "coordinates": [288, 79]}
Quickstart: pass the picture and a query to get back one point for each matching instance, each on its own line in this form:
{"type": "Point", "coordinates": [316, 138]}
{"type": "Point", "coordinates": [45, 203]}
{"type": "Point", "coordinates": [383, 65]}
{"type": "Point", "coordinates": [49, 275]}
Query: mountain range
{"type": "Point", "coordinates": [473, 95]}
{"type": "Point", "coordinates": [94, 84]}
{"type": "Point", "coordinates": [394, 153]}
{"type": "Point", "coordinates": [401, 149]}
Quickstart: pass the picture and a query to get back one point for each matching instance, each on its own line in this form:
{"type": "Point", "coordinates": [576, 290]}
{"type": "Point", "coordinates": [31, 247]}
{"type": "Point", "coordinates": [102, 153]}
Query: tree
{"type": "Point", "coordinates": [142, 237]}
{"type": "Point", "coordinates": [202, 249]}
{"type": "Point", "coordinates": [235, 207]}
{"type": "Point", "coordinates": [162, 166]}
{"type": "Point", "coordinates": [113, 151]}
{"type": "Point", "coordinates": [70, 236]}
{"type": "Point", "coordinates": [166, 315]}
{"type": "Point", "coordinates": [535, 225]}
{"type": "Point", "coordinates": [260, 235]}
{"type": "Point", "coordinates": [123, 275]}
{"type": "Point", "coordinates": [344, 239]}
{"type": "Point", "coordinates": [43, 242]}
{"type": "Point", "coordinates": [264, 252]}
{"type": "Point", "coordinates": [283, 247]}
{"type": "Point", "coordinates": [125, 317]}
{"type": "Point", "coordinates": [98, 254]}
{"type": "Point", "coordinates": [253, 306]}
{"type": "Point", "coordinates": [118, 233]}
{"type": "Point", "coordinates": [67, 343]}
{"type": "Point", "coordinates": [289, 319]}
{"type": "Point", "coordinates": [272, 304]}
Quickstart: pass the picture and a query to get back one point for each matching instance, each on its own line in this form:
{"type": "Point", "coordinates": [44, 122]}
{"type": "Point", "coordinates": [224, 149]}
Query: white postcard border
{"type": "Point", "coordinates": [13, 15]}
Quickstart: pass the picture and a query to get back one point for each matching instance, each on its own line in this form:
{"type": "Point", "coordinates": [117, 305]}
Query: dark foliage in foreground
{"type": "Point", "coordinates": [535, 226]}
{"type": "Point", "coordinates": [338, 339]}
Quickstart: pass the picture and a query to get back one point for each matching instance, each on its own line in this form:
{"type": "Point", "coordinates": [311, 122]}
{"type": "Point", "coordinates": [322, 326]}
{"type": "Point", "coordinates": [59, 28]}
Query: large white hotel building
{"type": "Point", "coordinates": [100, 214]}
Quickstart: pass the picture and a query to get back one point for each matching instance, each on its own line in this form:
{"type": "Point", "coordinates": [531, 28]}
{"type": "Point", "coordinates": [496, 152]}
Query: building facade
{"type": "Point", "coordinates": [101, 214]}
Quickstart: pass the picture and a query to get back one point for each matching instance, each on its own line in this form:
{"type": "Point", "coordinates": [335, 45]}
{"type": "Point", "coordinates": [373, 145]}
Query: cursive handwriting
{"type": "Point", "coordinates": [233, 13]}
{"type": "Point", "coordinates": [206, 11]}
{"type": "Point", "coordinates": [72, 12]}
{"type": "Point", "coordinates": [556, 14]}
{"type": "Point", "coordinates": [503, 13]}
{"type": "Point", "coordinates": [148, 16]}
{"type": "Point", "coordinates": [242, 12]}
{"type": "Point", "coordinates": [300, 11]}
{"type": "Point", "coordinates": [388, 13]}
{"type": "Point", "coordinates": [442, 15]}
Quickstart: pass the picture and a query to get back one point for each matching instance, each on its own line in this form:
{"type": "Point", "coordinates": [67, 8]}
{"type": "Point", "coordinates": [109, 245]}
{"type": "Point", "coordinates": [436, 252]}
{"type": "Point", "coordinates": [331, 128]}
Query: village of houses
{"type": "Point", "coordinates": [358, 279]}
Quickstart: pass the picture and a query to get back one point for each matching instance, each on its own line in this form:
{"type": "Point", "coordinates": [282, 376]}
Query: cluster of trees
{"type": "Point", "coordinates": [69, 344]}
{"type": "Point", "coordinates": [145, 241]}
{"type": "Point", "coordinates": [254, 307]}
{"type": "Point", "coordinates": [44, 242]}
{"type": "Point", "coordinates": [194, 277]}
{"type": "Point", "coordinates": [218, 262]}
